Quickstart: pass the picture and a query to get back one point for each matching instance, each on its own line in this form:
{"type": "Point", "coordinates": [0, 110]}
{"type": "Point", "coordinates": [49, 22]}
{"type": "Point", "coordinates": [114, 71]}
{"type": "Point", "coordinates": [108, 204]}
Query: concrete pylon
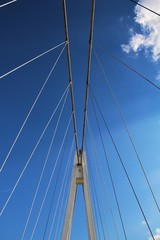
{"type": "Point", "coordinates": [79, 176]}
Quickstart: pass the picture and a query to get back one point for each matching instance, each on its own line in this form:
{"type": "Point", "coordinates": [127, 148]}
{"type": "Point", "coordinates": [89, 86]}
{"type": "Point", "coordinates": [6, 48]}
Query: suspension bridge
{"type": "Point", "coordinates": [75, 163]}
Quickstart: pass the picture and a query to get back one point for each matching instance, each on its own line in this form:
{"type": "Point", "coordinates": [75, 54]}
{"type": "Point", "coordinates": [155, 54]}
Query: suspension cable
{"type": "Point", "coordinates": [62, 219]}
{"type": "Point", "coordinates": [50, 180]}
{"type": "Point", "coordinates": [44, 166]}
{"type": "Point", "coordinates": [126, 65]}
{"type": "Point", "coordinates": [110, 172]}
{"type": "Point", "coordinates": [5, 4]}
{"type": "Point", "coordinates": [64, 201]}
{"type": "Point", "coordinates": [94, 204]}
{"type": "Point", "coordinates": [96, 197]}
{"type": "Point", "coordinates": [30, 157]}
{"type": "Point", "coordinates": [67, 197]}
{"type": "Point", "coordinates": [53, 196]}
{"type": "Point", "coordinates": [70, 74]}
{"type": "Point", "coordinates": [31, 60]}
{"type": "Point", "coordinates": [99, 185]}
{"type": "Point", "coordinates": [88, 71]}
{"type": "Point", "coordinates": [124, 168]}
{"type": "Point", "coordinates": [64, 183]}
{"type": "Point", "coordinates": [94, 201]}
{"type": "Point", "coordinates": [145, 7]}
{"type": "Point", "coordinates": [96, 155]}
{"type": "Point", "coordinates": [127, 130]}
{"type": "Point", "coordinates": [31, 109]}
{"type": "Point", "coordinates": [54, 191]}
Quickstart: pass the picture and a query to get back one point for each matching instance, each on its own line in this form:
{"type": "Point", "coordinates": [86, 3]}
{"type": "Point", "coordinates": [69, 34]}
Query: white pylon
{"type": "Point", "coordinates": [79, 176]}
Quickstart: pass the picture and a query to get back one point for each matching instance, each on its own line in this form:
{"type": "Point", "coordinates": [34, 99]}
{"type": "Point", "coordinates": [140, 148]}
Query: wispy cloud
{"type": "Point", "coordinates": [4, 191]}
{"type": "Point", "coordinates": [158, 76]}
{"type": "Point", "coordinates": [143, 222]}
{"type": "Point", "coordinates": [148, 37]}
{"type": "Point", "coordinates": [157, 236]}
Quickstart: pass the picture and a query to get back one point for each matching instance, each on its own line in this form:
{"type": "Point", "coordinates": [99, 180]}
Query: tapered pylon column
{"type": "Point", "coordinates": [79, 176]}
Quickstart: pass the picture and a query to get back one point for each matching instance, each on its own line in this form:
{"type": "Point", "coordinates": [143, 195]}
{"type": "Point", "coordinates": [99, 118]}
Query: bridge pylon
{"type": "Point", "coordinates": [79, 177]}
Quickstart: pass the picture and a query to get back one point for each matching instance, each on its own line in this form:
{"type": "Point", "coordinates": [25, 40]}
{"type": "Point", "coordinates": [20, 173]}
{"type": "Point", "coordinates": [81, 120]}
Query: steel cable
{"type": "Point", "coordinates": [126, 65]}
{"type": "Point", "coordinates": [128, 132]}
{"type": "Point", "coordinates": [44, 166]}
{"type": "Point", "coordinates": [88, 71]}
{"type": "Point", "coordinates": [5, 4]}
{"type": "Point", "coordinates": [64, 183]}
{"type": "Point", "coordinates": [53, 195]}
{"type": "Point", "coordinates": [65, 205]}
{"type": "Point", "coordinates": [50, 180]}
{"type": "Point", "coordinates": [30, 157]}
{"type": "Point", "coordinates": [110, 175]}
{"type": "Point", "coordinates": [70, 74]}
{"type": "Point", "coordinates": [31, 109]}
{"type": "Point", "coordinates": [124, 168]}
{"type": "Point", "coordinates": [99, 187]}
{"type": "Point", "coordinates": [96, 197]}
{"type": "Point", "coordinates": [94, 202]}
{"type": "Point", "coordinates": [31, 60]}
{"type": "Point", "coordinates": [95, 154]}
{"type": "Point", "coordinates": [145, 7]}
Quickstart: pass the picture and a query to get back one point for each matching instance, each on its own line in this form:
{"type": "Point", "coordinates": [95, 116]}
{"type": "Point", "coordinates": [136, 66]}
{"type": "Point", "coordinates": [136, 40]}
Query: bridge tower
{"type": "Point", "coordinates": [79, 177]}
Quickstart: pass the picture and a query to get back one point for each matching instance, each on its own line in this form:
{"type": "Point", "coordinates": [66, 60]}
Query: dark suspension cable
{"type": "Point", "coordinates": [127, 130]}
{"type": "Point", "coordinates": [70, 74]}
{"type": "Point", "coordinates": [88, 71]}
{"type": "Point", "coordinates": [110, 172]}
{"type": "Point", "coordinates": [96, 160]}
{"type": "Point", "coordinates": [126, 65]}
{"type": "Point", "coordinates": [145, 7]}
{"type": "Point", "coordinates": [96, 197]}
{"type": "Point", "coordinates": [100, 167]}
{"type": "Point", "coordinates": [94, 201]}
{"type": "Point", "coordinates": [123, 166]}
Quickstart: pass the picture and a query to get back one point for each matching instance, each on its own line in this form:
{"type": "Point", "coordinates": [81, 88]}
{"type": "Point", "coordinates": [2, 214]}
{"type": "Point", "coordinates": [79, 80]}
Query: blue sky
{"type": "Point", "coordinates": [29, 28]}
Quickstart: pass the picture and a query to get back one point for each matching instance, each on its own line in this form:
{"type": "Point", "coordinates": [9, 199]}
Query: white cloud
{"type": "Point", "coordinates": [143, 222]}
{"type": "Point", "coordinates": [148, 38]}
{"type": "Point", "coordinates": [157, 236]}
{"type": "Point", "coordinates": [121, 19]}
{"type": "Point", "coordinates": [158, 76]}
